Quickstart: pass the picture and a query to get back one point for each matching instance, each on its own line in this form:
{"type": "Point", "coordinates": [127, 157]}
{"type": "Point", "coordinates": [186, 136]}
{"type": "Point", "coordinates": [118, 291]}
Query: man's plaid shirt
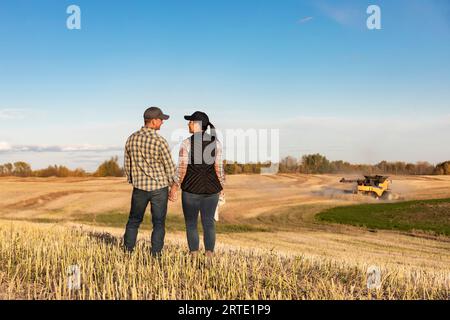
{"type": "Point", "coordinates": [148, 161]}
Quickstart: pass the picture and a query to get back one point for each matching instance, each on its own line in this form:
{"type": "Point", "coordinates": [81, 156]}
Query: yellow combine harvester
{"type": "Point", "coordinates": [377, 186]}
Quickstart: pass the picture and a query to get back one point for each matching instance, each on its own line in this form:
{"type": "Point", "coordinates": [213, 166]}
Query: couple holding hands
{"type": "Point", "coordinates": [150, 169]}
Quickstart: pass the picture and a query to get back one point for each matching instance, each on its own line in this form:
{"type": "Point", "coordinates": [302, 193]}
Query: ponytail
{"type": "Point", "coordinates": [212, 129]}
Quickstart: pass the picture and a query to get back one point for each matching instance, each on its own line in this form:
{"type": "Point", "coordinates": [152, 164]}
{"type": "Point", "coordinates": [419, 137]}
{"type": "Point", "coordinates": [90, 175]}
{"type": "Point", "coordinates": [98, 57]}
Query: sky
{"type": "Point", "coordinates": [310, 69]}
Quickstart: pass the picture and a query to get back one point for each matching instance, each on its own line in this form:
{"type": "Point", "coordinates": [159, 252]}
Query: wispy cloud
{"type": "Point", "coordinates": [6, 147]}
{"type": "Point", "coordinates": [305, 20]}
{"type": "Point", "coordinates": [10, 114]}
{"type": "Point", "coordinates": [343, 13]}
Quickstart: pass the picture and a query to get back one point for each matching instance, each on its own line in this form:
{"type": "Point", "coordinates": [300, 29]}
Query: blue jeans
{"type": "Point", "coordinates": [139, 201]}
{"type": "Point", "coordinates": [206, 204]}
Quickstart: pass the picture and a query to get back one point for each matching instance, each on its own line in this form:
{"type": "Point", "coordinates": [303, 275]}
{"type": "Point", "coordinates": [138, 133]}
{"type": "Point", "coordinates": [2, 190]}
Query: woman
{"type": "Point", "coordinates": [201, 176]}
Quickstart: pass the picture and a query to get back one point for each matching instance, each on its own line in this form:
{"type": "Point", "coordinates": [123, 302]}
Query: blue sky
{"type": "Point", "coordinates": [309, 68]}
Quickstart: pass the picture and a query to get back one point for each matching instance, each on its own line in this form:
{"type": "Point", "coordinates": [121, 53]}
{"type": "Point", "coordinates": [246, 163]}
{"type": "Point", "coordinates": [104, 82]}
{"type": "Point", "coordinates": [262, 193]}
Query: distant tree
{"type": "Point", "coordinates": [8, 168]}
{"type": "Point", "coordinates": [59, 171]}
{"type": "Point", "coordinates": [312, 163]}
{"type": "Point", "coordinates": [382, 166]}
{"type": "Point", "coordinates": [110, 168]}
{"type": "Point", "coordinates": [340, 166]}
{"type": "Point", "coordinates": [257, 167]}
{"type": "Point", "coordinates": [424, 168]}
{"type": "Point", "coordinates": [288, 165]}
{"type": "Point", "coordinates": [63, 171]}
{"type": "Point", "coordinates": [237, 168]}
{"type": "Point", "coordinates": [315, 163]}
{"type": "Point", "coordinates": [22, 169]}
{"type": "Point", "coordinates": [443, 168]}
{"type": "Point", "coordinates": [79, 173]}
{"type": "Point", "coordinates": [228, 167]}
{"type": "Point", "coordinates": [247, 168]}
{"type": "Point", "coordinates": [233, 168]}
{"type": "Point", "coordinates": [400, 167]}
{"type": "Point", "coordinates": [410, 168]}
{"type": "Point", "coordinates": [50, 171]}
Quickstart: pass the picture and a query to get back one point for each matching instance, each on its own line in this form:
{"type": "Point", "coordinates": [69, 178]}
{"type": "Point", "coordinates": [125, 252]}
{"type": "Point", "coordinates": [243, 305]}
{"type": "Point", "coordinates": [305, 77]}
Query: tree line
{"type": "Point", "coordinates": [319, 164]}
{"type": "Point", "coordinates": [308, 164]}
{"type": "Point", "coordinates": [109, 168]}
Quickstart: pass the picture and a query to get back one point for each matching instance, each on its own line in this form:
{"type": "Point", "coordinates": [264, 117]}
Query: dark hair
{"type": "Point", "coordinates": [212, 129]}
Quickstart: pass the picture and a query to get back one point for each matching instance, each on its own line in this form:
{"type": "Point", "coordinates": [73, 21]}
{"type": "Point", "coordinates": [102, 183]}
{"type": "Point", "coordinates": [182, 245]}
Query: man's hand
{"type": "Point", "coordinates": [173, 194]}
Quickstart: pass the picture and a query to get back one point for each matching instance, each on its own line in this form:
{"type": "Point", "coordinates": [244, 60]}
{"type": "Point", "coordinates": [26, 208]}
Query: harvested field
{"type": "Point", "coordinates": [271, 214]}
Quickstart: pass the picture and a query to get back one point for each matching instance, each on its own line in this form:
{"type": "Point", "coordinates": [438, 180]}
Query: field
{"type": "Point", "coordinates": [268, 229]}
{"type": "Point", "coordinates": [423, 215]}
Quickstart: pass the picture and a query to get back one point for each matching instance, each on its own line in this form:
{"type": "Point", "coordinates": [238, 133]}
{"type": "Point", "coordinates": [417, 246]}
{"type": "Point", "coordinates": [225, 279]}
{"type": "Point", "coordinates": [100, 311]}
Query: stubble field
{"type": "Point", "coordinates": [267, 229]}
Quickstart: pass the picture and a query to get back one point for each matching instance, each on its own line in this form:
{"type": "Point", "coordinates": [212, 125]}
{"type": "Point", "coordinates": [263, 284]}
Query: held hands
{"type": "Point", "coordinates": [173, 193]}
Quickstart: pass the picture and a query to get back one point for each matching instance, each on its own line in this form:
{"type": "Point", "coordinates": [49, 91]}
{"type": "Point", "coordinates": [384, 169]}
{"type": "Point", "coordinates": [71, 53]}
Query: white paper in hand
{"type": "Point", "coordinates": [221, 203]}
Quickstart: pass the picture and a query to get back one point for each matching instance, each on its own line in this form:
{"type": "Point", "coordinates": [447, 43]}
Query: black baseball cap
{"type": "Point", "coordinates": [155, 113]}
{"type": "Point", "coordinates": [198, 116]}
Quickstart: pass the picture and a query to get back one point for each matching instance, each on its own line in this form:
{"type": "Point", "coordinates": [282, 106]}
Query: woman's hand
{"type": "Point", "coordinates": [173, 194]}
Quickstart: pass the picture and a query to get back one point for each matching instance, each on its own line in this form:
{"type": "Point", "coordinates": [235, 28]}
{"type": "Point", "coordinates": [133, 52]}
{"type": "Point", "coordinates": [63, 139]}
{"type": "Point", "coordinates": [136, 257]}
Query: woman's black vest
{"type": "Point", "coordinates": [201, 177]}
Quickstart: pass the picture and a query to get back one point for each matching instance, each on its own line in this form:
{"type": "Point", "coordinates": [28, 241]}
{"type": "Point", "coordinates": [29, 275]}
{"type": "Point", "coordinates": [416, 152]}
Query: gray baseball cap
{"type": "Point", "coordinates": [155, 113]}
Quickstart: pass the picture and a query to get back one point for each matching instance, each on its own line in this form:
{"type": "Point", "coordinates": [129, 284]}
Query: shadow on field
{"type": "Point", "coordinates": [174, 222]}
{"type": "Point", "coordinates": [104, 237]}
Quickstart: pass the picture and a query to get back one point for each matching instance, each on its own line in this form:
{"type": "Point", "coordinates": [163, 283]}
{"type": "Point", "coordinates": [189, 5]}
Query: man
{"type": "Point", "coordinates": [150, 169]}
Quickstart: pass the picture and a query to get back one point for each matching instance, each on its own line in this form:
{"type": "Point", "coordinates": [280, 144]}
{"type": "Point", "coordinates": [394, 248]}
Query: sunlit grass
{"type": "Point", "coordinates": [34, 260]}
{"type": "Point", "coordinates": [174, 222]}
{"type": "Point", "coordinates": [426, 215]}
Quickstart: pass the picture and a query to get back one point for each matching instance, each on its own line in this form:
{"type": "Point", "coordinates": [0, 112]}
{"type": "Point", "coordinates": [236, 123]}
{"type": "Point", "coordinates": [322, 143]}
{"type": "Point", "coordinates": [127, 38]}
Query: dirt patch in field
{"type": "Point", "coordinates": [41, 200]}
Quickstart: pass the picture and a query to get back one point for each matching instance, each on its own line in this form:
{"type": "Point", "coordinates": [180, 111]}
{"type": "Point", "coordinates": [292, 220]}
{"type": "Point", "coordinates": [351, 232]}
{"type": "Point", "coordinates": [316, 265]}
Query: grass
{"type": "Point", "coordinates": [289, 218]}
{"type": "Point", "coordinates": [425, 215]}
{"type": "Point", "coordinates": [174, 222]}
{"type": "Point", "coordinates": [34, 259]}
